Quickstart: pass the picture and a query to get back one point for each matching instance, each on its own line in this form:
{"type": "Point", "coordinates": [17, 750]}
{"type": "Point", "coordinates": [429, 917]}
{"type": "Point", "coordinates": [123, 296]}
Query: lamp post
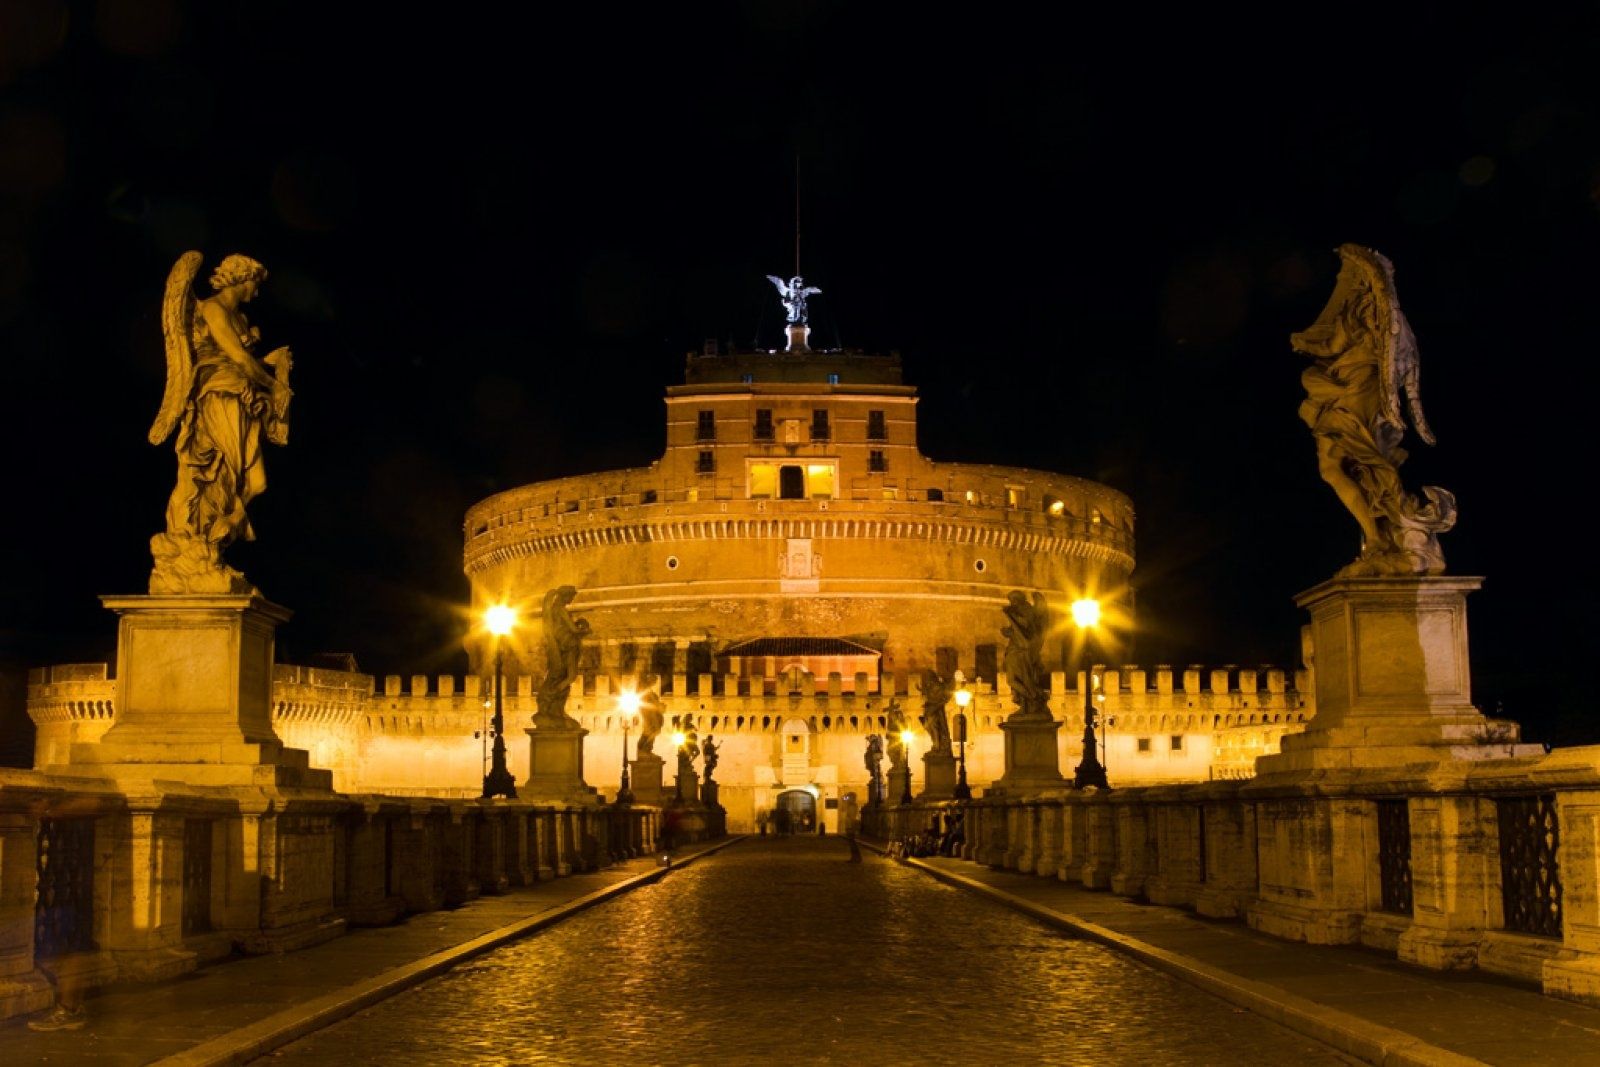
{"type": "Point", "coordinates": [678, 738]}
{"type": "Point", "coordinates": [1091, 771]}
{"type": "Point", "coordinates": [499, 620]}
{"type": "Point", "coordinates": [628, 704]}
{"type": "Point", "coordinates": [963, 699]}
{"type": "Point", "coordinates": [906, 737]}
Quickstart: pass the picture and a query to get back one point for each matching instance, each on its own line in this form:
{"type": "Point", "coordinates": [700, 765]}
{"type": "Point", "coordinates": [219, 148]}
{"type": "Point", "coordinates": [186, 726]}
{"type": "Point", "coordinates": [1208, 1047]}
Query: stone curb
{"type": "Point", "coordinates": [291, 1024]}
{"type": "Point", "coordinates": [1340, 1030]}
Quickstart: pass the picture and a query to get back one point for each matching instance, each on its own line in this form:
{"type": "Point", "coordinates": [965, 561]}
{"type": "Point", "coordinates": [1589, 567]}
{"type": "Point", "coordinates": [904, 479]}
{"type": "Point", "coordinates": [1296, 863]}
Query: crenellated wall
{"type": "Point", "coordinates": [423, 735]}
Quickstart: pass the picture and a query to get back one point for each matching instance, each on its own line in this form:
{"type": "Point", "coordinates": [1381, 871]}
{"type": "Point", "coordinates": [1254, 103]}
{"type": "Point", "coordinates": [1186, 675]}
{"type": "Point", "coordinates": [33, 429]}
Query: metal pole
{"type": "Point", "coordinates": [498, 782]}
{"type": "Point", "coordinates": [625, 794]}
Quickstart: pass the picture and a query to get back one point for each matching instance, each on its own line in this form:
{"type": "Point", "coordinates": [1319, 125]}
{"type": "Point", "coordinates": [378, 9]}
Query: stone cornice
{"type": "Point", "coordinates": [511, 542]}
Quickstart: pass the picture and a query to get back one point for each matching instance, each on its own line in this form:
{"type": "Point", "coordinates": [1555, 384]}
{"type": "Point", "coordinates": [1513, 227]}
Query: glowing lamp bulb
{"type": "Point", "coordinates": [500, 618]}
{"type": "Point", "coordinates": [628, 702]}
{"type": "Point", "coordinates": [963, 698]}
{"type": "Point", "coordinates": [1085, 612]}
{"type": "Point", "coordinates": [678, 739]}
{"type": "Point", "coordinates": [906, 737]}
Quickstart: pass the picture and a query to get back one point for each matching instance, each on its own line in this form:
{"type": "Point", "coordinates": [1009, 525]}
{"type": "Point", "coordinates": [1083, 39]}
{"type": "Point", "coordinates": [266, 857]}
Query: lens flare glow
{"type": "Point", "coordinates": [1085, 612]}
{"type": "Point", "coordinates": [500, 618]}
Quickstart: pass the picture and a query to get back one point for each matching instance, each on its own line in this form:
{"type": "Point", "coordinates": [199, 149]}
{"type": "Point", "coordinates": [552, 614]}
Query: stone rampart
{"type": "Point", "coordinates": [428, 735]}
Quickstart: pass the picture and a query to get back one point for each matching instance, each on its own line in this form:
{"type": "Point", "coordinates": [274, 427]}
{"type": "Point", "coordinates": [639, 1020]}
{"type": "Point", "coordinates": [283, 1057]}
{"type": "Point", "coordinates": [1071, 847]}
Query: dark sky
{"type": "Point", "coordinates": [493, 240]}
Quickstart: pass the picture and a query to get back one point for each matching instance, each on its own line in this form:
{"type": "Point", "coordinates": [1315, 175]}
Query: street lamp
{"type": "Point", "coordinates": [628, 704]}
{"type": "Point", "coordinates": [1086, 613]}
{"type": "Point", "coordinates": [499, 619]}
{"type": "Point", "coordinates": [963, 699]}
{"type": "Point", "coordinates": [906, 737]}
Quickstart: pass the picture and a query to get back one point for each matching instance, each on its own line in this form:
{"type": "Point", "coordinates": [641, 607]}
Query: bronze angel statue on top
{"type": "Point", "coordinates": [793, 293]}
{"type": "Point", "coordinates": [1365, 361]}
{"type": "Point", "coordinates": [220, 399]}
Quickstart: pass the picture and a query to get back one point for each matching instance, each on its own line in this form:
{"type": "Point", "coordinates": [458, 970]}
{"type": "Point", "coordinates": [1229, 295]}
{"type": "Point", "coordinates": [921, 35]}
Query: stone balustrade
{"type": "Point", "coordinates": [1491, 864]}
{"type": "Point", "coordinates": [99, 886]}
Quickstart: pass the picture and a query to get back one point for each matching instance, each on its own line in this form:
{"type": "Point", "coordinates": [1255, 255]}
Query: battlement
{"type": "Point", "coordinates": [1196, 696]}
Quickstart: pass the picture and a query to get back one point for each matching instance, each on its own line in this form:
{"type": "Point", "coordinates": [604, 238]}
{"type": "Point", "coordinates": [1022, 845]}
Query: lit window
{"type": "Point", "coordinates": [819, 481]}
{"type": "Point", "coordinates": [1094, 515]}
{"type": "Point", "coordinates": [763, 481]}
{"type": "Point", "coordinates": [1013, 496]}
{"type": "Point", "coordinates": [1054, 507]}
{"type": "Point", "coordinates": [972, 498]}
{"type": "Point", "coordinates": [890, 493]}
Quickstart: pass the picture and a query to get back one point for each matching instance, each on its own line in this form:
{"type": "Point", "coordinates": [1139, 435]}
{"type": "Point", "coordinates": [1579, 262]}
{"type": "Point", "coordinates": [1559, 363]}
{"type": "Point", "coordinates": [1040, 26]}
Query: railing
{"type": "Point", "coordinates": [1530, 880]}
{"type": "Point", "coordinates": [1394, 856]}
{"type": "Point", "coordinates": [197, 840]}
{"type": "Point", "coordinates": [63, 917]}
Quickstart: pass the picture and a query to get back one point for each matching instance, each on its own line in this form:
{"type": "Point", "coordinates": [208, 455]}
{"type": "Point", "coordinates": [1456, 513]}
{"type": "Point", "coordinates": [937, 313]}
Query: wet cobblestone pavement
{"type": "Point", "coordinates": [778, 951]}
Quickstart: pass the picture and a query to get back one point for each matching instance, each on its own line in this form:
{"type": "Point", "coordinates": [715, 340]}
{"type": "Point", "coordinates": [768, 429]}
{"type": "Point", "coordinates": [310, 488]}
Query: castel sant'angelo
{"type": "Point", "coordinates": [783, 582]}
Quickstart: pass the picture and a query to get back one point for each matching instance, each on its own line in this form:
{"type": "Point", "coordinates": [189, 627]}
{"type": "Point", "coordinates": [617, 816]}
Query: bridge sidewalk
{"type": "Point", "coordinates": [235, 1010]}
{"type": "Point", "coordinates": [1362, 1002]}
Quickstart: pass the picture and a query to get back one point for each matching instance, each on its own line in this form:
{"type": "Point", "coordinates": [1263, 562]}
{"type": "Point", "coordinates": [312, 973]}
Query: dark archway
{"type": "Point", "coordinates": [796, 810]}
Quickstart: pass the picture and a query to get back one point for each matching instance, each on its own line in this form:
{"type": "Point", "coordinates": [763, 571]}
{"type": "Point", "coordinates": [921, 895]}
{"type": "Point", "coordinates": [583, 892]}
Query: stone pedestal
{"type": "Point", "coordinates": [899, 776]}
{"type": "Point", "coordinates": [1392, 679]}
{"type": "Point", "coordinates": [555, 764]}
{"type": "Point", "coordinates": [194, 696]}
{"type": "Point", "coordinates": [708, 795]}
{"type": "Point", "coordinates": [1033, 764]}
{"type": "Point", "coordinates": [938, 776]}
{"type": "Point", "coordinates": [645, 775]}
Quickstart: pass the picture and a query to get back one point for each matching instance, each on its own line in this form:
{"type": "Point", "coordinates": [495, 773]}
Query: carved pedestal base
{"type": "Point", "coordinates": [645, 773]}
{"type": "Point", "coordinates": [1033, 764]}
{"type": "Point", "coordinates": [194, 696]}
{"type": "Point", "coordinates": [555, 765]}
{"type": "Point", "coordinates": [938, 776]}
{"type": "Point", "coordinates": [1392, 679]}
{"type": "Point", "coordinates": [899, 785]}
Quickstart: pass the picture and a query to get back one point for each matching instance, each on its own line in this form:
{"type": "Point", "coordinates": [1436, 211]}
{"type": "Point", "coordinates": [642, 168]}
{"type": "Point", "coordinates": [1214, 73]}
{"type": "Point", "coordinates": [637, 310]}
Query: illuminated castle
{"type": "Point", "coordinates": [787, 569]}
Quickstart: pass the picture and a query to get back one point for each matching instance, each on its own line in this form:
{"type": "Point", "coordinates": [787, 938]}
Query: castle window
{"type": "Point", "coordinates": [763, 427]}
{"type": "Point", "coordinates": [747, 378]}
{"type": "Point", "coordinates": [877, 430]}
{"type": "Point", "coordinates": [791, 483]}
{"type": "Point", "coordinates": [820, 430]}
{"type": "Point", "coordinates": [1177, 742]}
{"type": "Point", "coordinates": [647, 497]}
{"type": "Point", "coordinates": [986, 662]}
{"type": "Point", "coordinates": [1013, 496]}
{"type": "Point", "coordinates": [1052, 506]}
{"type": "Point", "coordinates": [706, 426]}
{"type": "Point", "coordinates": [876, 462]}
{"type": "Point", "coordinates": [763, 481]}
{"type": "Point", "coordinates": [936, 494]}
{"type": "Point", "coordinates": [819, 481]}
{"type": "Point", "coordinates": [891, 493]}
{"type": "Point", "coordinates": [833, 378]}
{"type": "Point", "coordinates": [1143, 745]}
{"type": "Point", "coordinates": [706, 462]}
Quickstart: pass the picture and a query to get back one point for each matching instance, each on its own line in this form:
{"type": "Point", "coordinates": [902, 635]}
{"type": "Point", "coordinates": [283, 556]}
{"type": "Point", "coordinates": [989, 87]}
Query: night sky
{"type": "Point", "coordinates": [493, 241]}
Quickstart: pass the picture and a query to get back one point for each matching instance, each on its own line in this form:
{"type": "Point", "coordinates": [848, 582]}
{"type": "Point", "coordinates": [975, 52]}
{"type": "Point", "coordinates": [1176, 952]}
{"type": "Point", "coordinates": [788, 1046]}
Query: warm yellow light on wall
{"type": "Point", "coordinates": [819, 480]}
{"type": "Point", "coordinates": [763, 481]}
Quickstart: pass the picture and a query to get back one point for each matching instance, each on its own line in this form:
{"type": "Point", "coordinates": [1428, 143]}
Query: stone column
{"type": "Point", "coordinates": [146, 930]}
{"type": "Point", "coordinates": [1313, 856]}
{"type": "Point", "coordinates": [1133, 848]}
{"type": "Point", "coordinates": [1230, 872]}
{"type": "Point", "coordinates": [1100, 844]}
{"type": "Point", "coordinates": [1578, 978]}
{"type": "Point", "coordinates": [645, 777]}
{"type": "Point", "coordinates": [1047, 858]}
{"type": "Point", "coordinates": [23, 988]}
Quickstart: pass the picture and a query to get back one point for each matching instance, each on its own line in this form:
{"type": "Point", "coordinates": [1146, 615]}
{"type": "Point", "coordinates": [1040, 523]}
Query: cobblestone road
{"type": "Point", "coordinates": [778, 951]}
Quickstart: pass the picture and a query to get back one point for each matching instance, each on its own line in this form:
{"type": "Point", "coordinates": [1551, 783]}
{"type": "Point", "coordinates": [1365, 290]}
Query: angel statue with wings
{"type": "Point", "coordinates": [793, 293]}
{"type": "Point", "coordinates": [1029, 622]}
{"type": "Point", "coordinates": [1364, 360]}
{"type": "Point", "coordinates": [219, 399]}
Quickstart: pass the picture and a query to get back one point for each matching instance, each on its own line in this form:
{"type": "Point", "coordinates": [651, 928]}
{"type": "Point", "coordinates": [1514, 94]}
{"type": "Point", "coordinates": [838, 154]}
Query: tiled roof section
{"type": "Point", "coordinates": [799, 646]}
